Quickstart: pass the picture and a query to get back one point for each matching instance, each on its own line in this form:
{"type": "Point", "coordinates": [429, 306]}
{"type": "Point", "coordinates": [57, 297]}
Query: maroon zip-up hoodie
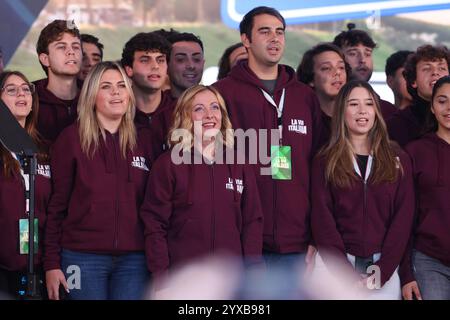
{"type": "Point", "coordinates": [285, 203]}
{"type": "Point", "coordinates": [363, 219]}
{"type": "Point", "coordinates": [12, 208]}
{"type": "Point", "coordinates": [431, 236]}
{"type": "Point", "coordinates": [387, 109]}
{"type": "Point", "coordinates": [94, 206]}
{"type": "Point", "coordinates": [195, 209]}
{"type": "Point", "coordinates": [54, 114]}
{"type": "Point", "coordinates": [407, 125]}
{"type": "Point", "coordinates": [158, 122]}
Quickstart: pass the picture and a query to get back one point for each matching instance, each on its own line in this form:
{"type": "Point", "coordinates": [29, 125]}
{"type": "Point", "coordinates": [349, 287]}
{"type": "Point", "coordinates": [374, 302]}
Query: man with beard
{"type": "Point", "coordinates": [60, 55]}
{"type": "Point", "coordinates": [357, 47]}
{"type": "Point", "coordinates": [263, 95]}
{"type": "Point", "coordinates": [186, 62]}
{"type": "Point", "coordinates": [144, 59]}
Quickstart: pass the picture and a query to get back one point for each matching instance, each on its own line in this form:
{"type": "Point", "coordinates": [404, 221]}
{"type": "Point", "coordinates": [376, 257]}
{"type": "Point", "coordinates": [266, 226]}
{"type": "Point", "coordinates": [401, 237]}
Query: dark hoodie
{"type": "Point", "coordinates": [12, 208]}
{"type": "Point", "coordinates": [157, 123]}
{"type": "Point", "coordinates": [408, 124]}
{"type": "Point", "coordinates": [431, 168]}
{"type": "Point", "coordinates": [191, 210]}
{"type": "Point", "coordinates": [94, 206]}
{"type": "Point", "coordinates": [364, 219]}
{"type": "Point", "coordinates": [285, 203]}
{"type": "Point", "coordinates": [54, 114]}
{"type": "Point", "coordinates": [387, 109]}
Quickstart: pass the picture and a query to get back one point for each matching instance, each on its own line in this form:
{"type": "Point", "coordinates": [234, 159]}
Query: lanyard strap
{"type": "Point", "coordinates": [278, 107]}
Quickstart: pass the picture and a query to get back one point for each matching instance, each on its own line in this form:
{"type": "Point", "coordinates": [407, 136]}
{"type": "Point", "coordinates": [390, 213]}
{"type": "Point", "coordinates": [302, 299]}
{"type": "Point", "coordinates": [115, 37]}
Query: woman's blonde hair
{"type": "Point", "coordinates": [339, 152]}
{"type": "Point", "coordinates": [182, 130]}
{"type": "Point", "coordinates": [89, 126]}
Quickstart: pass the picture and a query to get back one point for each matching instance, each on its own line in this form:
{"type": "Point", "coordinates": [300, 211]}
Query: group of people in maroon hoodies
{"type": "Point", "coordinates": [142, 183]}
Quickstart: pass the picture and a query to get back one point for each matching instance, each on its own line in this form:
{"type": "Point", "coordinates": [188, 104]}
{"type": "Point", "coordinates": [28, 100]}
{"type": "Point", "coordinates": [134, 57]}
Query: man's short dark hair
{"type": "Point", "coordinates": [305, 70]}
{"type": "Point", "coordinates": [352, 37]}
{"type": "Point", "coordinates": [175, 37]}
{"type": "Point", "coordinates": [396, 61]}
{"type": "Point", "coordinates": [144, 41]}
{"type": "Point", "coordinates": [88, 38]}
{"type": "Point", "coordinates": [246, 25]}
{"type": "Point", "coordinates": [423, 53]}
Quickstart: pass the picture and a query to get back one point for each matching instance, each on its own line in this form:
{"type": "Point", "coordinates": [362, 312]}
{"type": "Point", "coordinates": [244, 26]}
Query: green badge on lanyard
{"type": "Point", "coordinates": [23, 236]}
{"type": "Point", "coordinates": [281, 162]}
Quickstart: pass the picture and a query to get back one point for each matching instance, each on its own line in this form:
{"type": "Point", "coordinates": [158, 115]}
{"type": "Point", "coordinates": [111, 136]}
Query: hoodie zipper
{"type": "Point", "coordinates": [364, 214]}
{"type": "Point", "coordinates": [116, 225]}
{"type": "Point", "coordinates": [213, 218]}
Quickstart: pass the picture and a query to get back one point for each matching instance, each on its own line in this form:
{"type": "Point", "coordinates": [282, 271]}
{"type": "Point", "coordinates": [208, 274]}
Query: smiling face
{"type": "Point", "coordinates": [112, 99]}
{"type": "Point", "coordinates": [64, 56]}
{"type": "Point", "coordinates": [267, 43]}
{"type": "Point", "coordinates": [359, 112]}
{"type": "Point", "coordinates": [206, 112]}
{"type": "Point", "coordinates": [149, 71]}
{"type": "Point", "coordinates": [329, 74]}
{"type": "Point", "coordinates": [441, 107]}
{"type": "Point", "coordinates": [427, 73]}
{"type": "Point", "coordinates": [359, 58]}
{"type": "Point", "coordinates": [17, 95]}
{"type": "Point", "coordinates": [186, 64]}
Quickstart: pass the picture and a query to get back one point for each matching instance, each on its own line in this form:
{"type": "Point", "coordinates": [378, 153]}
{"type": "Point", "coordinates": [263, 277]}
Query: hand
{"type": "Point", "coordinates": [310, 259]}
{"type": "Point", "coordinates": [409, 289]}
{"type": "Point", "coordinates": [53, 279]}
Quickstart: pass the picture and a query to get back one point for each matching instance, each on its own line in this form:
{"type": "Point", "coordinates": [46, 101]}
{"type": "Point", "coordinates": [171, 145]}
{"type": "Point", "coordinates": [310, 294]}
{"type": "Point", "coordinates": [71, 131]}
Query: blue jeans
{"type": "Point", "coordinates": [105, 277]}
{"type": "Point", "coordinates": [281, 281]}
{"type": "Point", "coordinates": [433, 277]}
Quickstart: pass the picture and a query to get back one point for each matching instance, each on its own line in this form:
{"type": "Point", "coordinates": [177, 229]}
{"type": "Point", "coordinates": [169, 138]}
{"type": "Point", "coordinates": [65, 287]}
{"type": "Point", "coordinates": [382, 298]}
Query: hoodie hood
{"type": "Point", "coordinates": [242, 72]}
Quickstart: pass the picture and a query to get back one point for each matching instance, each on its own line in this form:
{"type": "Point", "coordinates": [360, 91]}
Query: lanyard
{"type": "Point", "coordinates": [279, 108]}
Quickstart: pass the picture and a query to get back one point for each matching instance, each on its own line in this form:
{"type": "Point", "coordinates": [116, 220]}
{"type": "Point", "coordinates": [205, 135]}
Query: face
{"type": "Point", "coordinates": [112, 98]}
{"type": "Point", "coordinates": [441, 107]}
{"type": "Point", "coordinates": [359, 112]}
{"type": "Point", "coordinates": [427, 73]}
{"type": "Point", "coordinates": [329, 74]}
{"type": "Point", "coordinates": [398, 84]}
{"type": "Point", "coordinates": [149, 70]}
{"type": "Point", "coordinates": [186, 64]}
{"type": "Point", "coordinates": [359, 58]}
{"type": "Point", "coordinates": [91, 56]}
{"type": "Point", "coordinates": [207, 113]}
{"type": "Point", "coordinates": [267, 45]}
{"type": "Point", "coordinates": [17, 95]}
{"type": "Point", "coordinates": [237, 54]}
{"type": "Point", "coordinates": [64, 56]}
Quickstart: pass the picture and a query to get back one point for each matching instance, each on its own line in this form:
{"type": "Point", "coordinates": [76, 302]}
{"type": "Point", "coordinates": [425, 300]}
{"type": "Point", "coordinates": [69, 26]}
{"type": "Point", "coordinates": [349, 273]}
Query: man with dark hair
{"type": "Point", "coordinates": [395, 65]}
{"type": "Point", "coordinates": [186, 62]}
{"type": "Point", "coordinates": [92, 54]}
{"type": "Point", "coordinates": [261, 94]}
{"type": "Point", "coordinates": [144, 58]}
{"type": "Point", "coordinates": [422, 69]}
{"type": "Point", "coordinates": [60, 55]}
{"type": "Point", "coordinates": [1, 60]}
{"type": "Point", "coordinates": [357, 46]}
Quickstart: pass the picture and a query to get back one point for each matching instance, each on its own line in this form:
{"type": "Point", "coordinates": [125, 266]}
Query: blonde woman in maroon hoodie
{"type": "Point", "coordinates": [425, 270]}
{"type": "Point", "coordinates": [204, 203]}
{"type": "Point", "coordinates": [19, 96]}
{"type": "Point", "coordinates": [94, 239]}
{"type": "Point", "coordinates": [362, 195]}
